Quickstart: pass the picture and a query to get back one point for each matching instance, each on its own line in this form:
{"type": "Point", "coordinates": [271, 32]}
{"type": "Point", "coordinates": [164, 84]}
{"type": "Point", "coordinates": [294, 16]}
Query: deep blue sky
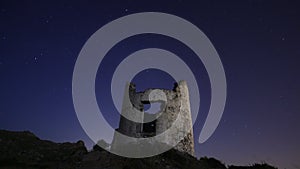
{"type": "Point", "coordinates": [258, 43]}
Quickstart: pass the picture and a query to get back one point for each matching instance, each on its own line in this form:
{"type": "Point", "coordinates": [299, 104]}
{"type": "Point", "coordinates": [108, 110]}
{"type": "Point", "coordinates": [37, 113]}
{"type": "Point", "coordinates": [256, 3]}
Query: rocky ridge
{"type": "Point", "coordinates": [23, 150]}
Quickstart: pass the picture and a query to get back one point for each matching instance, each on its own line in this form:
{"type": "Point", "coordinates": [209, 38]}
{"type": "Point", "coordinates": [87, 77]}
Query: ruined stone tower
{"type": "Point", "coordinates": [174, 106]}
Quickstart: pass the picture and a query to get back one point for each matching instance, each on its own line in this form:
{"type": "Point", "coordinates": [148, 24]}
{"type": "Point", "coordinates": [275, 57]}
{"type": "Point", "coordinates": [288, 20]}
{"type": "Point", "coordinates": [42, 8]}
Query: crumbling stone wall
{"type": "Point", "coordinates": [176, 101]}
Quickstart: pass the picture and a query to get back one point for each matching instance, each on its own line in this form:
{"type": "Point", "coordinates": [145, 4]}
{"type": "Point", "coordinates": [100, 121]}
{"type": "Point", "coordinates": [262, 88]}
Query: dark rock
{"type": "Point", "coordinates": [211, 163]}
{"type": "Point", "coordinates": [28, 151]}
{"type": "Point", "coordinates": [255, 166]}
{"type": "Point", "coordinates": [23, 150]}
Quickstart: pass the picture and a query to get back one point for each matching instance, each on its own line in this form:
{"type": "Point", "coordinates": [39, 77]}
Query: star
{"type": "Point", "coordinates": [35, 59]}
{"type": "Point", "coordinates": [126, 10]}
{"type": "Point", "coordinates": [48, 19]}
{"type": "Point", "coordinates": [258, 131]}
{"type": "Point", "coordinates": [233, 133]}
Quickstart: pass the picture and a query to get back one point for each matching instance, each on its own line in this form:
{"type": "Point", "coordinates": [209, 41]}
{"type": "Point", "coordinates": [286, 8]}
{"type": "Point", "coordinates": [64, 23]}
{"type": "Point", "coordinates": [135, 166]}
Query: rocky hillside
{"type": "Point", "coordinates": [23, 150]}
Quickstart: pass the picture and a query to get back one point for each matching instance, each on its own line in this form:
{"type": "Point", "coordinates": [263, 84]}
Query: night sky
{"type": "Point", "coordinates": [258, 43]}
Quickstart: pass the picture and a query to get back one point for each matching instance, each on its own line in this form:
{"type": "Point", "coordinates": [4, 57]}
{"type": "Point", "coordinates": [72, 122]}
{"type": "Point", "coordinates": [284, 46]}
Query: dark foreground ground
{"type": "Point", "coordinates": [23, 150]}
